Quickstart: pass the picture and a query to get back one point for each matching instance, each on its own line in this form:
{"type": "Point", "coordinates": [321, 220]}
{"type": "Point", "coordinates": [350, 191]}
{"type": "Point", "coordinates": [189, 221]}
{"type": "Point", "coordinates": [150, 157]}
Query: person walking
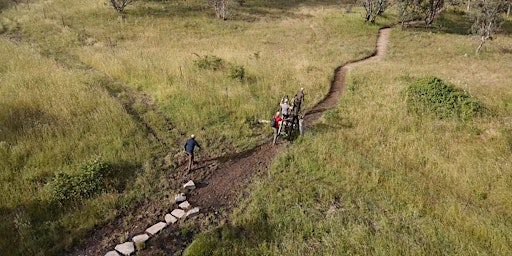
{"type": "Point", "coordinates": [298, 99]}
{"type": "Point", "coordinates": [276, 125]}
{"type": "Point", "coordinates": [301, 124]}
{"type": "Point", "coordinates": [284, 107]}
{"type": "Point", "coordinates": [189, 148]}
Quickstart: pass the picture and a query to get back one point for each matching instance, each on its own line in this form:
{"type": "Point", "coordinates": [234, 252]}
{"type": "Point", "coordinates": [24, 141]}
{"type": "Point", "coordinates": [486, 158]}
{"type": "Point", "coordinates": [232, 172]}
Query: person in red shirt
{"type": "Point", "coordinates": [278, 119]}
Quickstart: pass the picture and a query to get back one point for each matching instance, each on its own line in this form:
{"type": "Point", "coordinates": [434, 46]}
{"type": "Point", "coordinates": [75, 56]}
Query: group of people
{"type": "Point", "coordinates": [289, 115]}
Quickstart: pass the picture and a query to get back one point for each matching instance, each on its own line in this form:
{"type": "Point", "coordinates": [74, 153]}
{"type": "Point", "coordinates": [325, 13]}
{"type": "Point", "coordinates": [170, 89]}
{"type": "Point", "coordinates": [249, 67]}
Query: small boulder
{"type": "Point", "coordinates": [140, 238]}
{"type": "Point", "coordinates": [180, 198]}
{"type": "Point", "coordinates": [140, 241]}
{"type": "Point", "coordinates": [190, 185]}
{"type": "Point", "coordinates": [178, 213]}
{"type": "Point", "coordinates": [169, 219]}
{"type": "Point", "coordinates": [185, 205]}
{"type": "Point", "coordinates": [192, 212]}
{"type": "Point", "coordinates": [125, 248]}
{"type": "Point", "coordinates": [156, 228]}
{"type": "Point", "coordinates": [112, 253]}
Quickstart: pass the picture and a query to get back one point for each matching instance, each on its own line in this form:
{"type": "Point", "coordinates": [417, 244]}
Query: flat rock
{"type": "Point", "coordinates": [169, 219]}
{"type": "Point", "coordinates": [190, 185]}
{"type": "Point", "coordinates": [140, 238]}
{"type": "Point", "coordinates": [193, 211]}
{"type": "Point", "coordinates": [125, 248]}
{"type": "Point", "coordinates": [112, 253]}
{"type": "Point", "coordinates": [185, 205]}
{"type": "Point", "coordinates": [178, 213]}
{"type": "Point", "coordinates": [180, 198]}
{"type": "Point", "coordinates": [156, 228]}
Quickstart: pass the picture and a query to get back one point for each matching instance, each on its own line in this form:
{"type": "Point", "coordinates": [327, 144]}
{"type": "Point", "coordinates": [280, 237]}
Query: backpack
{"type": "Point", "coordinates": [273, 122]}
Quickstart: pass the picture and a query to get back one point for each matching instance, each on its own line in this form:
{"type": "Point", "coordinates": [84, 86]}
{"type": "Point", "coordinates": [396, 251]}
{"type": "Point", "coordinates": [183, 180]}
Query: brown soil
{"type": "Point", "coordinates": [220, 184]}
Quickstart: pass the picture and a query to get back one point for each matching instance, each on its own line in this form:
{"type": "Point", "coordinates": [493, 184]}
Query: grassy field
{"type": "Point", "coordinates": [80, 84]}
{"type": "Point", "coordinates": [91, 100]}
{"type": "Point", "coordinates": [371, 178]}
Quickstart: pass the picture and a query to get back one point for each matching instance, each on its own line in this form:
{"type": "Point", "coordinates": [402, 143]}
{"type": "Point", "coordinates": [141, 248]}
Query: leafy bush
{"type": "Point", "coordinates": [431, 94]}
{"type": "Point", "coordinates": [237, 72]}
{"type": "Point", "coordinates": [89, 181]}
{"type": "Point", "coordinates": [209, 62]}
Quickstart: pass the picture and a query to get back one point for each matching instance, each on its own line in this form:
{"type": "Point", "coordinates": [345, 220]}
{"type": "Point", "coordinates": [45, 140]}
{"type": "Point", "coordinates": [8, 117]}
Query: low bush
{"type": "Point", "coordinates": [432, 95]}
{"type": "Point", "coordinates": [88, 182]}
{"type": "Point", "coordinates": [209, 62]}
{"type": "Point", "coordinates": [237, 72]}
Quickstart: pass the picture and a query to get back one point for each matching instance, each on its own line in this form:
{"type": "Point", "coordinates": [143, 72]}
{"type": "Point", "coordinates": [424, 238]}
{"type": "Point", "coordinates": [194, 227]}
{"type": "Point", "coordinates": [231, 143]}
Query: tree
{"type": "Point", "coordinates": [220, 7]}
{"type": "Point", "coordinates": [407, 10]}
{"type": "Point", "coordinates": [373, 9]}
{"type": "Point", "coordinates": [119, 5]}
{"type": "Point", "coordinates": [426, 10]}
{"type": "Point", "coordinates": [430, 9]}
{"type": "Point", "coordinates": [487, 18]}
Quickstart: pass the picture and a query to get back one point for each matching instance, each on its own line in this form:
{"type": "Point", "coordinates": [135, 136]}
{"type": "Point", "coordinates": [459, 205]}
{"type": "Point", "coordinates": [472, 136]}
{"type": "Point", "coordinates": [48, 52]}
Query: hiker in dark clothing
{"type": "Point", "coordinates": [298, 99]}
{"type": "Point", "coordinates": [189, 148]}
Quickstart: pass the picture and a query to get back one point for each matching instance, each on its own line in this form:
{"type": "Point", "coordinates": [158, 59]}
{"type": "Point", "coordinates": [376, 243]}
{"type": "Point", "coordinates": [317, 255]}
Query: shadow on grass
{"type": "Point", "coordinates": [6, 4]}
{"type": "Point", "coordinates": [18, 118]}
{"type": "Point", "coordinates": [228, 238]}
{"type": "Point", "coordinates": [454, 22]}
{"type": "Point", "coordinates": [36, 227]}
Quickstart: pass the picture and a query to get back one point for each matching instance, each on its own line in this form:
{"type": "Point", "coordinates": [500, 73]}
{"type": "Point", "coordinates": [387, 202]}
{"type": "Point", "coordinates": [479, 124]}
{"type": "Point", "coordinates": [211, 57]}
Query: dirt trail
{"type": "Point", "coordinates": [338, 83]}
{"type": "Point", "coordinates": [228, 179]}
{"type": "Point", "coordinates": [220, 184]}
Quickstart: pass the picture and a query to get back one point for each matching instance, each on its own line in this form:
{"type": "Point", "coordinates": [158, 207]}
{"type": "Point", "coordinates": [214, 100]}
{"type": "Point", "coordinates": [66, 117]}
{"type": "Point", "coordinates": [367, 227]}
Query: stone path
{"type": "Point", "coordinates": [183, 210]}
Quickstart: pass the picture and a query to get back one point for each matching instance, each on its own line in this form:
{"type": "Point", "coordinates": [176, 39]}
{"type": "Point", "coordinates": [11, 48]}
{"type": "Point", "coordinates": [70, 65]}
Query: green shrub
{"type": "Point", "coordinates": [209, 62]}
{"type": "Point", "coordinates": [88, 182]}
{"type": "Point", "coordinates": [237, 72]}
{"type": "Point", "coordinates": [432, 95]}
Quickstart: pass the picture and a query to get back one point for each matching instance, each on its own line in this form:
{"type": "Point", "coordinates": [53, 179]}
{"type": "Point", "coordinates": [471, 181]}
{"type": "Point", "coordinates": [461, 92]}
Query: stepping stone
{"type": "Point", "coordinates": [112, 253]}
{"type": "Point", "coordinates": [140, 241]}
{"type": "Point", "coordinates": [185, 205]}
{"type": "Point", "coordinates": [140, 238]}
{"type": "Point", "coordinates": [125, 248]}
{"type": "Point", "coordinates": [178, 213]}
{"type": "Point", "coordinates": [156, 228]}
{"type": "Point", "coordinates": [193, 211]}
{"type": "Point", "coordinates": [180, 198]}
{"type": "Point", "coordinates": [190, 185]}
{"type": "Point", "coordinates": [169, 219]}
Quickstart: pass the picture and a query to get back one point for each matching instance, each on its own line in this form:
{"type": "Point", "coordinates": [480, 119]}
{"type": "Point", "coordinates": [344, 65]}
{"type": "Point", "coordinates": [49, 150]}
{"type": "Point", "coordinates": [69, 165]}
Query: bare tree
{"type": "Point", "coordinates": [407, 10]}
{"type": "Point", "coordinates": [220, 7]}
{"type": "Point", "coordinates": [431, 8]}
{"type": "Point", "coordinates": [487, 19]}
{"type": "Point", "coordinates": [373, 9]}
{"type": "Point", "coordinates": [119, 5]}
{"type": "Point", "coordinates": [426, 10]}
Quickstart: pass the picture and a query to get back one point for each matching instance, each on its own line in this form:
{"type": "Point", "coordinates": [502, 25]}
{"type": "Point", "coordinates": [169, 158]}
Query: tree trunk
{"type": "Point", "coordinates": [482, 42]}
{"type": "Point", "coordinates": [508, 10]}
{"type": "Point", "coordinates": [469, 6]}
